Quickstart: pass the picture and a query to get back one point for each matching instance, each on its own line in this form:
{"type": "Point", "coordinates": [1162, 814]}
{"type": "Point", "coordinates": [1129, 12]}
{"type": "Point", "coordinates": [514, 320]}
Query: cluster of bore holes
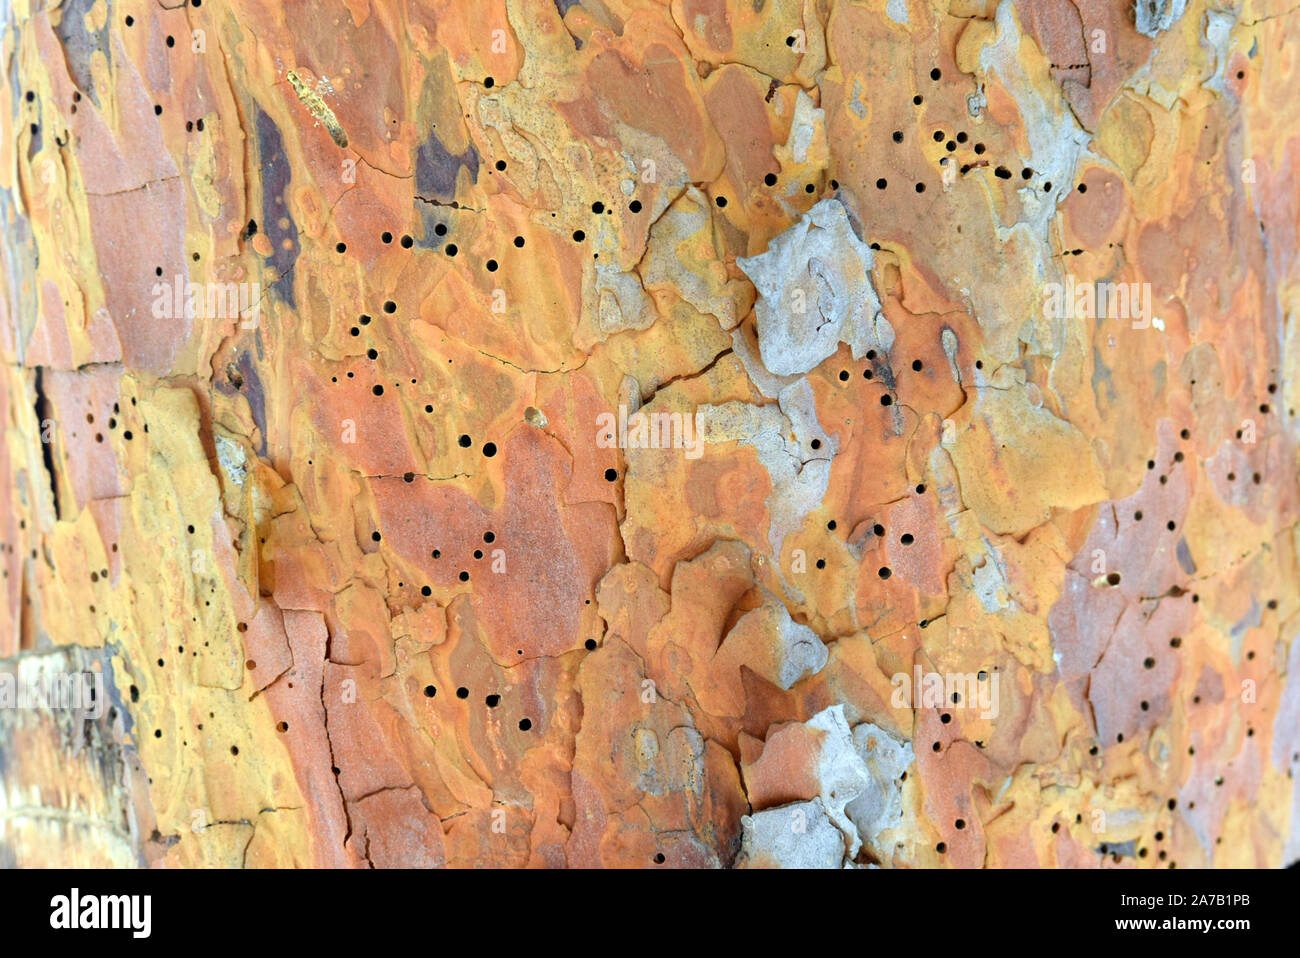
{"type": "Point", "coordinates": [879, 531]}
{"type": "Point", "coordinates": [406, 241]}
{"type": "Point", "coordinates": [127, 434]}
{"type": "Point", "coordinates": [489, 537]}
{"type": "Point", "coordinates": [130, 20]}
{"type": "Point", "coordinates": [951, 145]}
{"type": "Point", "coordinates": [1264, 408]}
{"type": "Point", "coordinates": [372, 354]}
{"type": "Point", "coordinates": [171, 43]}
{"type": "Point", "coordinates": [466, 441]}
{"type": "Point", "coordinates": [30, 97]}
{"type": "Point", "coordinates": [9, 549]}
{"type": "Point", "coordinates": [491, 701]}
{"type": "Point", "coordinates": [770, 180]}
{"type": "Point", "coordinates": [1179, 457]}
{"type": "Point", "coordinates": [868, 373]}
{"type": "Point", "coordinates": [1148, 663]}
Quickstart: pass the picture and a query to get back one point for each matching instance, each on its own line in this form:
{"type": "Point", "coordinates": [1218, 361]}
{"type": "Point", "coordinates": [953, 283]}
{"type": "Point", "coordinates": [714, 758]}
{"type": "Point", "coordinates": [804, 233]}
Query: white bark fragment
{"type": "Point", "coordinates": [880, 806]}
{"type": "Point", "coordinates": [799, 835]}
{"type": "Point", "coordinates": [1152, 16]}
{"type": "Point", "coordinates": [797, 652]}
{"type": "Point", "coordinates": [814, 285]}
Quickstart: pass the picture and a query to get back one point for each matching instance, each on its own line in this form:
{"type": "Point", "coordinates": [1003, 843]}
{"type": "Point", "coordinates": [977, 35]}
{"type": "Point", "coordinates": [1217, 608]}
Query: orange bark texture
{"type": "Point", "coordinates": [707, 433]}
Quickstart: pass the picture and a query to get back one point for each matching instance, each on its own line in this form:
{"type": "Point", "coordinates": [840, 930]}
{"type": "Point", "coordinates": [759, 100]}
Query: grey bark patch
{"type": "Point", "coordinates": [814, 285]}
{"type": "Point", "coordinates": [80, 44]}
{"type": "Point", "coordinates": [254, 393]}
{"type": "Point", "coordinates": [276, 175]}
{"type": "Point", "coordinates": [880, 806]}
{"type": "Point", "coordinates": [435, 180]}
{"type": "Point", "coordinates": [1152, 16]}
{"type": "Point", "coordinates": [90, 735]}
{"type": "Point", "coordinates": [800, 835]}
{"type": "Point", "coordinates": [1126, 849]}
{"type": "Point", "coordinates": [436, 169]}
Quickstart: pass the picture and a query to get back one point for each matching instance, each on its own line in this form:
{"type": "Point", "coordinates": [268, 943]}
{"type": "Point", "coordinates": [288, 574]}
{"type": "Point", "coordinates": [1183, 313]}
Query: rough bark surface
{"type": "Point", "coordinates": [692, 433]}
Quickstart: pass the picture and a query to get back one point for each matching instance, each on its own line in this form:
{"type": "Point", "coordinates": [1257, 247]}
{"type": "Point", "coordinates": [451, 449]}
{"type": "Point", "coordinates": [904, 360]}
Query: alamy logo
{"type": "Point", "coordinates": [951, 690]}
{"type": "Point", "coordinates": [102, 911]}
{"type": "Point", "coordinates": [185, 300]}
{"type": "Point", "coordinates": [73, 691]}
{"type": "Point", "coordinates": [1085, 300]}
{"type": "Point", "coordinates": [659, 430]}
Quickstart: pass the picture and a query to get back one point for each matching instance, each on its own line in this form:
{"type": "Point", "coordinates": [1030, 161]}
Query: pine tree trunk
{"type": "Point", "coordinates": [801, 432]}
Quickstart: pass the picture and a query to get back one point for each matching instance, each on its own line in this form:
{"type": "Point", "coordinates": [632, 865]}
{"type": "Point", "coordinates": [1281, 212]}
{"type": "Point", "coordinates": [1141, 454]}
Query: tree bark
{"type": "Point", "coordinates": [558, 434]}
